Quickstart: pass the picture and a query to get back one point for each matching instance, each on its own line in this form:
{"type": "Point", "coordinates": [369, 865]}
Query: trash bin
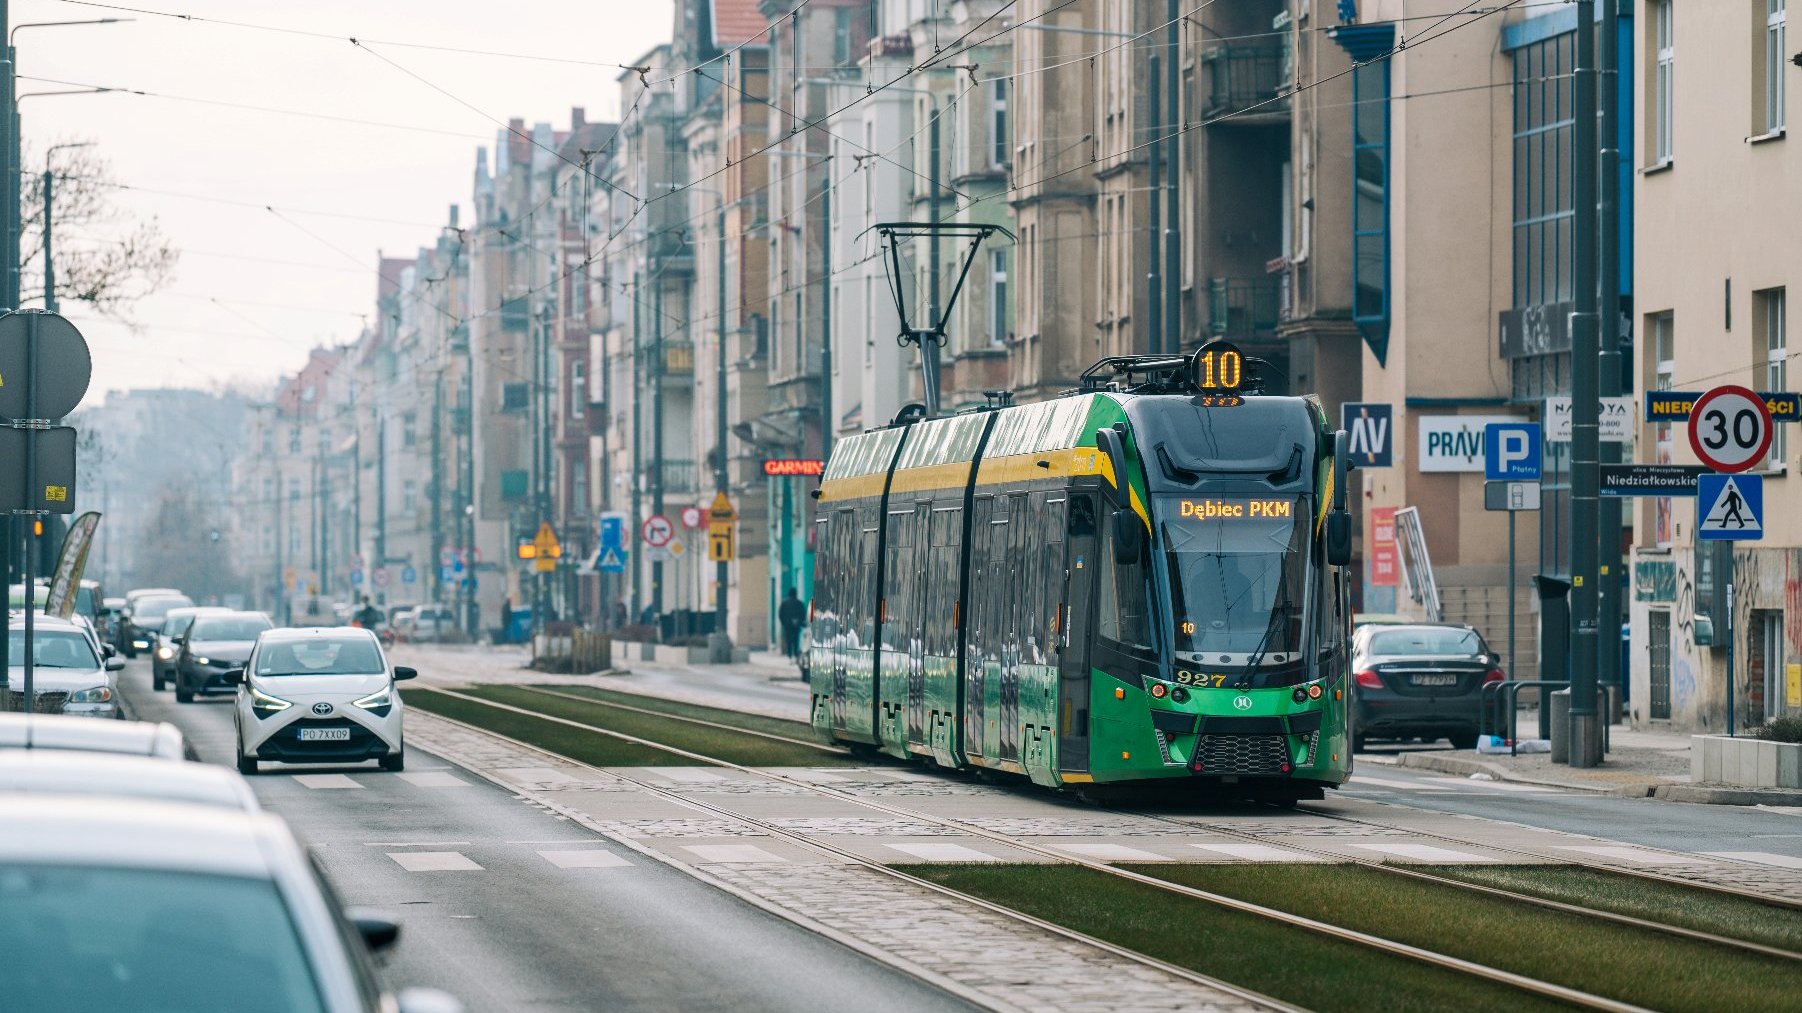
{"type": "Point", "coordinates": [1560, 711]}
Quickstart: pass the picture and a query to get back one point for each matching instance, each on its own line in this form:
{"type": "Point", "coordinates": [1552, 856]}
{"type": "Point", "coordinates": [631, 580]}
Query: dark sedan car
{"type": "Point", "coordinates": [1422, 680]}
{"type": "Point", "coordinates": [214, 645]}
{"type": "Point", "coordinates": [144, 617]}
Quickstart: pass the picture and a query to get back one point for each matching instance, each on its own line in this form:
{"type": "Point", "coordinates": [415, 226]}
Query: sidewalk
{"type": "Point", "coordinates": [1639, 764]}
{"type": "Point", "coordinates": [768, 685]}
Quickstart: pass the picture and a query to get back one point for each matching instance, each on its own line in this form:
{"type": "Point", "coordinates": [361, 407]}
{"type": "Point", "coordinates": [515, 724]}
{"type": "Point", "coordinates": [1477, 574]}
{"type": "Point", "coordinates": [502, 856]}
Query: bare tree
{"type": "Point", "coordinates": [105, 257]}
{"type": "Point", "coordinates": [189, 551]}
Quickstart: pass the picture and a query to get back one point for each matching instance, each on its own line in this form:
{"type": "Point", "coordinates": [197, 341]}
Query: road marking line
{"type": "Point", "coordinates": [1465, 782]}
{"type": "Point", "coordinates": [1110, 852]}
{"type": "Point", "coordinates": [433, 861]}
{"type": "Point", "coordinates": [1252, 852]}
{"type": "Point", "coordinates": [732, 854]}
{"type": "Point", "coordinates": [433, 779]}
{"type": "Point", "coordinates": [591, 859]}
{"type": "Point", "coordinates": [942, 852]}
{"type": "Point", "coordinates": [687, 775]}
{"type": "Point", "coordinates": [1359, 780]}
{"type": "Point", "coordinates": [1625, 854]}
{"type": "Point", "coordinates": [416, 844]}
{"type": "Point", "coordinates": [1418, 852]}
{"type": "Point", "coordinates": [326, 780]}
{"type": "Point", "coordinates": [1760, 858]}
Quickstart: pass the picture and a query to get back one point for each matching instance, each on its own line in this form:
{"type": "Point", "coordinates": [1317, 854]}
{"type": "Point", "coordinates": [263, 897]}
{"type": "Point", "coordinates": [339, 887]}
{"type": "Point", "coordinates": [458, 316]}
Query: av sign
{"type": "Point", "coordinates": [1370, 433]}
{"type": "Point", "coordinates": [1455, 442]}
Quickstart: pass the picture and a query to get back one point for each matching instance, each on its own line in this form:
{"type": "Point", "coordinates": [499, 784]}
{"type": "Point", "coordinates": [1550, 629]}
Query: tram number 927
{"type": "Point", "coordinates": [1198, 679]}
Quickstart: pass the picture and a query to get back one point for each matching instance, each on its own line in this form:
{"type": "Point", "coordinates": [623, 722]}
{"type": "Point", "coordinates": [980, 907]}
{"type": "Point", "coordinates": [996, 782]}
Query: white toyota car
{"type": "Point", "coordinates": [319, 695]}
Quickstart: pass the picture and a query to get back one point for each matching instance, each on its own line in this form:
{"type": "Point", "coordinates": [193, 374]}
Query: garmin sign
{"type": "Point", "coordinates": [1455, 442]}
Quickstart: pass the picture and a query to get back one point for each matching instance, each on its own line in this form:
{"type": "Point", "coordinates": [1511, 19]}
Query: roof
{"type": "Point", "coordinates": [309, 632]}
{"type": "Point", "coordinates": [736, 22]}
{"type": "Point", "coordinates": [68, 772]}
{"type": "Point", "coordinates": [57, 731]}
{"type": "Point", "coordinates": [177, 836]}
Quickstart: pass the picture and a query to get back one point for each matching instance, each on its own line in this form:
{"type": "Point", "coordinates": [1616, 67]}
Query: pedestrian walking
{"type": "Point", "coordinates": [792, 615]}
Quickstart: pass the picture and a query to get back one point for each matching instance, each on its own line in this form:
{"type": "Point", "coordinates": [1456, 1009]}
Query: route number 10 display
{"type": "Point", "coordinates": [1218, 366]}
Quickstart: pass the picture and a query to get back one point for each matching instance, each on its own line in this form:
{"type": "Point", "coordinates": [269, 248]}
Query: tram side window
{"type": "Point", "coordinates": [894, 594]}
{"type": "Point", "coordinates": [1050, 585]}
{"type": "Point", "coordinates": [1125, 608]}
{"type": "Point", "coordinates": [941, 575]}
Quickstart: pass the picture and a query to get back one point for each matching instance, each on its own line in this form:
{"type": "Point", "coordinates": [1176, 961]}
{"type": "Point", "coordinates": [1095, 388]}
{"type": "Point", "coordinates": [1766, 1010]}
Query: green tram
{"type": "Point", "coordinates": [1143, 580]}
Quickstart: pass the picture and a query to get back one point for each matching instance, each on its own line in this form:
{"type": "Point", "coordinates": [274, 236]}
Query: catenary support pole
{"type": "Point", "coordinates": [9, 300]}
{"type": "Point", "coordinates": [1173, 307]}
{"type": "Point", "coordinates": [722, 475]}
{"type": "Point", "coordinates": [1511, 593]}
{"type": "Point", "coordinates": [1585, 738]}
{"type": "Point", "coordinates": [1609, 380]}
{"type": "Point", "coordinates": [1154, 200]}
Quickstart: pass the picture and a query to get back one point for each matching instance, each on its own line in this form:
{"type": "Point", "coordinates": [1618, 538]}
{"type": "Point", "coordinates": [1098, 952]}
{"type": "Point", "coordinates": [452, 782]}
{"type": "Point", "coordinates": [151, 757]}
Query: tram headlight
{"type": "Point", "coordinates": [1314, 691]}
{"type": "Point", "coordinates": [1158, 691]}
{"type": "Point", "coordinates": [1180, 695]}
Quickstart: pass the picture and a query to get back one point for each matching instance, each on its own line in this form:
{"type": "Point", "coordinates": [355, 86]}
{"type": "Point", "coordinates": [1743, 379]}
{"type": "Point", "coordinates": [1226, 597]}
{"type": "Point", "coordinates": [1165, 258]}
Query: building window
{"type": "Point", "coordinates": [1664, 377]}
{"type": "Point", "coordinates": [578, 388]}
{"type": "Point", "coordinates": [1774, 59]}
{"type": "Point", "coordinates": [409, 429]}
{"type": "Point", "coordinates": [1773, 344]}
{"type": "Point", "coordinates": [1370, 199]}
{"type": "Point", "coordinates": [1658, 118]}
{"type": "Point", "coordinates": [1543, 208]}
{"type": "Point", "coordinates": [294, 490]}
{"type": "Point", "coordinates": [514, 397]}
{"type": "Point", "coordinates": [841, 38]}
{"type": "Point", "coordinates": [998, 298]}
{"type": "Point", "coordinates": [998, 132]}
{"type": "Point", "coordinates": [294, 440]}
{"type": "Point", "coordinates": [409, 496]}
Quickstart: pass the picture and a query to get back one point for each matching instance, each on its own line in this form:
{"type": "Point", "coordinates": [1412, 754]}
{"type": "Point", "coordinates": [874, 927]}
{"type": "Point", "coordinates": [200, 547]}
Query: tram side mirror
{"type": "Point", "coordinates": [1338, 537]}
{"type": "Point", "coordinates": [1129, 538]}
{"type": "Point", "coordinates": [1108, 441]}
{"type": "Point", "coordinates": [1342, 466]}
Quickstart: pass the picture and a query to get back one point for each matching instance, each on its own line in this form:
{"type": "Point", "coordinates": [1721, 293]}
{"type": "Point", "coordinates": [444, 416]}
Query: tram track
{"type": "Point", "coordinates": [1546, 989]}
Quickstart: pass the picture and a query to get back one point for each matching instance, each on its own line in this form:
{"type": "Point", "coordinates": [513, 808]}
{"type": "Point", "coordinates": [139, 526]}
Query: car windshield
{"type": "Point", "coordinates": [1237, 575]}
{"type": "Point", "coordinates": [1426, 641]}
{"type": "Point", "coordinates": [81, 939]}
{"type": "Point", "coordinates": [228, 628]}
{"type": "Point", "coordinates": [347, 656]}
{"type": "Point", "coordinates": [152, 610]}
{"type": "Point", "coordinates": [176, 625]}
{"type": "Point", "coordinates": [51, 649]}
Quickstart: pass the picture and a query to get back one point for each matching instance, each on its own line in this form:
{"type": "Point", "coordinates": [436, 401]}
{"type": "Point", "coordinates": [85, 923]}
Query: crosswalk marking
{"type": "Point", "coordinates": [1110, 852]}
{"type": "Point", "coordinates": [1418, 852]}
{"type": "Point", "coordinates": [433, 779]}
{"type": "Point", "coordinates": [687, 775]}
{"type": "Point", "coordinates": [326, 781]}
{"type": "Point", "coordinates": [434, 861]}
{"type": "Point", "coordinates": [1625, 854]}
{"type": "Point", "coordinates": [939, 851]}
{"type": "Point", "coordinates": [1359, 781]}
{"type": "Point", "coordinates": [1761, 858]}
{"type": "Point", "coordinates": [1248, 852]}
{"type": "Point", "coordinates": [1465, 782]}
{"type": "Point", "coordinates": [731, 854]}
{"type": "Point", "coordinates": [588, 859]}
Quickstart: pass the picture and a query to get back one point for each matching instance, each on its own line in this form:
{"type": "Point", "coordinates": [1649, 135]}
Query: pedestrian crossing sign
{"type": "Point", "coordinates": [1730, 507]}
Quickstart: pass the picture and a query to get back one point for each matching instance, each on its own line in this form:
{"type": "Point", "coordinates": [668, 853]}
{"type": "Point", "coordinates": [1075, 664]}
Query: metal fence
{"type": "Point", "coordinates": [1243, 306]}
{"type": "Point", "coordinates": [1251, 81]}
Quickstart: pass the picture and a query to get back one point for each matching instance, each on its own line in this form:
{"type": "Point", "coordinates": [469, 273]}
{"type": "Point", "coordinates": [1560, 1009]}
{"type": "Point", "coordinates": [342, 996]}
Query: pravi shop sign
{"type": "Point", "coordinates": [1455, 442]}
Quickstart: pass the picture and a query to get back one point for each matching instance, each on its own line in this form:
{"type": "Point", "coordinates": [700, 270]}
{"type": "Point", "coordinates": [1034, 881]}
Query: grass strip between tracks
{"type": "Point", "coordinates": [1669, 903]}
{"type": "Point", "coordinates": [1632, 965]}
{"type": "Point", "coordinates": [752, 722]}
{"type": "Point", "coordinates": [1284, 962]}
{"type": "Point", "coordinates": [579, 744]}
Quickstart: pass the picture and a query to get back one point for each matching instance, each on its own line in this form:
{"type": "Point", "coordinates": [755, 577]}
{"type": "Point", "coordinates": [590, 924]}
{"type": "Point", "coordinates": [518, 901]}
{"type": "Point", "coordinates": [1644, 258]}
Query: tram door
{"type": "Point", "coordinates": [919, 574]}
{"type": "Point", "coordinates": [1075, 630]}
{"type": "Point", "coordinates": [1010, 617]}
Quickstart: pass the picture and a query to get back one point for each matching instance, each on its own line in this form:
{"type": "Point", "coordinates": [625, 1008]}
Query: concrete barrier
{"type": "Point", "coordinates": [1752, 763]}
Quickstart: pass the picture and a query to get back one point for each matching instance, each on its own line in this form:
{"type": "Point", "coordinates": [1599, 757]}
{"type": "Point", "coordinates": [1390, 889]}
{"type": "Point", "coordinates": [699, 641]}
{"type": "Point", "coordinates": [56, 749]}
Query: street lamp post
{"type": "Point", "coordinates": [49, 191]}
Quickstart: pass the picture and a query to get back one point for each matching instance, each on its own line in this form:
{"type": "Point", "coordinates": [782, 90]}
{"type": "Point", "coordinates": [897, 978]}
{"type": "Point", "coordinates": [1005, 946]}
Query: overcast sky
{"type": "Point", "coordinates": [230, 314]}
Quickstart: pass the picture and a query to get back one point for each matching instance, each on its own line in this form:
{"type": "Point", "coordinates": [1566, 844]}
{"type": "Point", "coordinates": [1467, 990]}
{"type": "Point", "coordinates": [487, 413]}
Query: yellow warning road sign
{"type": "Point", "coordinates": [546, 542]}
{"type": "Point", "coordinates": [722, 543]}
{"type": "Point", "coordinates": [721, 511]}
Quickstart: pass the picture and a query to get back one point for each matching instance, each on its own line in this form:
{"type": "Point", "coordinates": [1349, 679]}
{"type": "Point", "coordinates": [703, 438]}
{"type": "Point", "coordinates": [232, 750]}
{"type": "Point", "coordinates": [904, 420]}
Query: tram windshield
{"type": "Point", "coordinates": [1238, 577]}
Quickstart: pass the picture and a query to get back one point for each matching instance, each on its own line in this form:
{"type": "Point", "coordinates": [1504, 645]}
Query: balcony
{"type": "Point", "coordinates": [1255, 79]}
{"type": "Point", "coordinates": [678, 476]}
{"type": "Point", "coordinates": [679, 358]}
{"type": "Point", "coordinates": [1243, 307]}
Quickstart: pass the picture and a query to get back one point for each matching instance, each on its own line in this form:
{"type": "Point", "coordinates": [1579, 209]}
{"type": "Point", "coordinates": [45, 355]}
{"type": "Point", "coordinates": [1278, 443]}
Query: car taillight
{"type": "Point", "coordinates": [1368, 680]}
{"type": "Point", "coordinates": [1495, 675]}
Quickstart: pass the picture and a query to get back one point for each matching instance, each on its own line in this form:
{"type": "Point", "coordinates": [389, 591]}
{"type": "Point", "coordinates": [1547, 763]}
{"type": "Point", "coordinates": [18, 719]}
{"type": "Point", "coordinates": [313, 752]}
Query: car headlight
{"type": "Point", "coordinates": [265, 705]}
{"type": "Point", "coordinates": [164, 654]}
{"type": "Point", "coordinates": [95, 694]}
{"type": "Point", "coordinates": [203, 661]}
{"type": "Point", "coordinates": [378, 702]}
{"type": "Point", "coordinates": [139, 644]}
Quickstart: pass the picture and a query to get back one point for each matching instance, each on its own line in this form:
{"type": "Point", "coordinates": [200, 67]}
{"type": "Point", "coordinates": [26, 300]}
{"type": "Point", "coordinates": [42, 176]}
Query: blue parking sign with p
{"type": "Point", "coordinates": [1511, 451]}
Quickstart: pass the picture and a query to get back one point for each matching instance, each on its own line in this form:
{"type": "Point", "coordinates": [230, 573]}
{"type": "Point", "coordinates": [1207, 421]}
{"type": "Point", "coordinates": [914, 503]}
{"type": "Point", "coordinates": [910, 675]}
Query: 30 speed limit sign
{"type": "Point", "coordinates": [1730, 428]}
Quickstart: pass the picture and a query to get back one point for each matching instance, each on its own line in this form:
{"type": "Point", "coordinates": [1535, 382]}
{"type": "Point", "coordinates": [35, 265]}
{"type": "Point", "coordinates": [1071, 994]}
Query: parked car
{"type": "Point", "coordinates": [112, 610]}
{"type": "Point", "coordinates": [166, 642]}
{"type": "Point", "coordinates": [216, 643]}
{"type": "Point", "coordinates": [319, 696]}
{"type": "Point", "coordinates": [158, 739]}
{"type": "Point", "coordinates": [144, 616]}
{"type": "Point", "coordinates": [69, 675]}
{"type": "Point", "coordinates": [67, 772]}
{"type": "Point", "coordinates": [1422, 680]}
{"type": "Point", "coordinates": [154, 905]}
{"type": "Point", "coordinates": [430, 624]}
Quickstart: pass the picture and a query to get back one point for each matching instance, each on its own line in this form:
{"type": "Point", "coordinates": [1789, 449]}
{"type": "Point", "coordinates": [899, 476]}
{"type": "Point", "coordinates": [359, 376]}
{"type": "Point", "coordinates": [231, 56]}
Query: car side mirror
{"type": "Point", "coordinates": [1129, 537]}
{"type": "Point", "coordinates": [234, 676]}
{"type": "Point", "coordinates": [182, 640]}
{"type": "Point", "coordinates": [403, 672]}
{"type": "Point", "coordinates": [378, 929]}
{"type": "Point", "coordinates": [1338, 537]}
{"type": "Point", "coordinates": [108, 650]}
{"type": "Point", "coordinates": [115, 664]}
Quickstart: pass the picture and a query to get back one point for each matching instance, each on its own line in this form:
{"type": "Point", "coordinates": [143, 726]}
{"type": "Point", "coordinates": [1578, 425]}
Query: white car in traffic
{"type": "Point", "coordinates": [69, 674]}
{"type": "Point", "coordinates": [319, 695]}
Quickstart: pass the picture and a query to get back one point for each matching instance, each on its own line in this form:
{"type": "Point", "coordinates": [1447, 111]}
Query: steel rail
{"type": "Point", "coordinates": [1548, 989]}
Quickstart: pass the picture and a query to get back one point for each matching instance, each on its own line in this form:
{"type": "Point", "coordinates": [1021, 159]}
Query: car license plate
{"type": "Point", "coordinates": [325, 735]}
{"type": "Point", "coordinates": [1434, 679]}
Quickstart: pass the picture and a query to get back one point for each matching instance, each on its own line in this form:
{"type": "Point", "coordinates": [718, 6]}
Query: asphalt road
{"type": "Point", "coordinates": [509, 907]}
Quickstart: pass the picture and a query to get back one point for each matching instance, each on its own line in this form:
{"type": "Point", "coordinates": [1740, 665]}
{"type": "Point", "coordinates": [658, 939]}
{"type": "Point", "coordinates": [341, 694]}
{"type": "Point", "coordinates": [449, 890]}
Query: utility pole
{"type": "Point", "coordinates": [281, 585]}
{"type": "Point", "coordinates": [1173, 307]}
{"type": "Point", "coordinates": [1608, 362]}
{"type": "Point", "coordinates": [381, 498]}
{"type": "Point", "coordinates": [437, 493]}
{"type": "Point", "coordinates": [722, 475]}
{"type": "Point", "coordinates": [9, 288]}
{"type": "Point", "coordinates": [637, 472]}
{"type": "Point", "coordinates": [826, 419]}
{"type": "Point", "coordinates": [1154, 197]}
{"type": "Point", "coordinates": [541, 456]}
{"type": "Point", "coordinates": [1584, 735]}
{"type": "Point", "coordinates": [657, 364]}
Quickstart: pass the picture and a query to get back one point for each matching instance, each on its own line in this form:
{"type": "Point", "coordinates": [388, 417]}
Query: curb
{"type": "Point", "coordinates": [1704, 795]}
{"type": "Point", "coordinates": [1459, 765]}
